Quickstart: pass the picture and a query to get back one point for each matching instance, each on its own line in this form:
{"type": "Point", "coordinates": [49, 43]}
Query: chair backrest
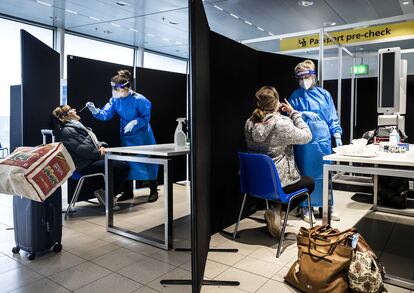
{"type": "Point", "coordinates": [259, 177]}
{"type": "Point", "coordinates": [75, 176]}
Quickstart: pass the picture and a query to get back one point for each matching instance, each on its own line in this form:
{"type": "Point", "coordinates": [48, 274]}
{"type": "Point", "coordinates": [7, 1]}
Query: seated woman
{"type": "Point", "coordinates": [273, 134]}
{"type": "Point", "coordinates": [86, 151]}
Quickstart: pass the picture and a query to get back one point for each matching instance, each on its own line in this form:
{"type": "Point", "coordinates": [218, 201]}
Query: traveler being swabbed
{"type": "Point", "coordinates": [318, 111]}
{"type": "Point", "coordinates": [134, 111]}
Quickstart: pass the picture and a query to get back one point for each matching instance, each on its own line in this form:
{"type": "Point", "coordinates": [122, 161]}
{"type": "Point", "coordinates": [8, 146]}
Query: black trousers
{"type": "Point", "coordinates": [120, 169]}
{"type": "Point", "coordinates": [304, 182]}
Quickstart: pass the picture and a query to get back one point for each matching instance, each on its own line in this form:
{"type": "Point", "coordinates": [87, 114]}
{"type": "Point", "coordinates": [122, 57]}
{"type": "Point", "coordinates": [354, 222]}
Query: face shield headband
{"type": "Point", "coordinates": [304, 73]}
{"type": "Point", "coordinates": [118, 86]}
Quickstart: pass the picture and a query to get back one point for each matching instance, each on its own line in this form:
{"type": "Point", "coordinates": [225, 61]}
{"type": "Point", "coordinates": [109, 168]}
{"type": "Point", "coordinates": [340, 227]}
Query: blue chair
{"type": "Point", "coordinates": [81, 178]}
{"type": "Point", "coordinates": [259, 178]}
{"type": "Point", "coordinates": [3, 150]}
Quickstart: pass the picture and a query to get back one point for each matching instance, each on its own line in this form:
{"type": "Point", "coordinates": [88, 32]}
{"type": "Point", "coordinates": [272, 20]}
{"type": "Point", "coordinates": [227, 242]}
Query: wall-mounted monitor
{"type": "Point", "coordinates": [389, 62]}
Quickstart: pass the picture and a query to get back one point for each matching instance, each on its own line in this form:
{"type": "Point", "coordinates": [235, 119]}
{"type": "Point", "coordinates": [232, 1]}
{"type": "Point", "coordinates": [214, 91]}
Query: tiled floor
{"type": "Point", "coordinates": [93, 260]}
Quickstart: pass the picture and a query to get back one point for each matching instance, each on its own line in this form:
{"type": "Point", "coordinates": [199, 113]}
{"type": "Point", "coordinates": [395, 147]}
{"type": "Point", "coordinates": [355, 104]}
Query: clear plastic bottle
{"type": "Point", "coordinates": [179, 136]}
{"type": "Point", "coordinates": [394, 138]}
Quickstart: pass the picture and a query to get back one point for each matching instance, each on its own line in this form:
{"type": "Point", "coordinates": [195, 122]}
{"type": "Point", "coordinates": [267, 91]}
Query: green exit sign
{"type": "Point", "coordinates": [361, 69]}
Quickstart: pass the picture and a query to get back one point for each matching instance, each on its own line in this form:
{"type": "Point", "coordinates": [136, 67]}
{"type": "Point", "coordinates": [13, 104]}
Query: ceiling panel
{"type": "Point", "coordinates": [147, 22]}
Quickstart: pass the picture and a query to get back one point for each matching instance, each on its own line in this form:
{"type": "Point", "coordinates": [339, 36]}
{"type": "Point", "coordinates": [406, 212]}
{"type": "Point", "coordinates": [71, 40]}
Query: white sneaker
{"type": "Point", "coordinates": [116, 206]}
{"type": "Point", "coordinates": [306, 216]}
{"type": "Point", "coordinates": [272, 218]}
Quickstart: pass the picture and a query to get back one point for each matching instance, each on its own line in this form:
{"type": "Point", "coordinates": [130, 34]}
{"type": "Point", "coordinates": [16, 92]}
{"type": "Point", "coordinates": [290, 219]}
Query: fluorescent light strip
{"type": "Point", "coordinates": [248, 22]}
{"type": "Point", "coordinates": [165, 39]}
{"type": "Point", "coordinates": [234, 15]}
{"type": "Point", "coordinates": [44, 3]}
{"type": "Point", "coordinates": [150, 35]}
{"type": "Point", "coordinates": [178, 43]}
{"type": "Point", "coordinates": [260, 29]}
{"type": "Point", "coordinates": [115, 24]}
{"type": "Point", "coordinates": [270, 34]}
{"type": "Point", "coordinates": [134, 30]}
{"type": "Point", "coordinates": [219, 8]}
{"type": "Point", "coordinates": [71, 11]}
{"type": "Point", "coordinates": [94, 18]}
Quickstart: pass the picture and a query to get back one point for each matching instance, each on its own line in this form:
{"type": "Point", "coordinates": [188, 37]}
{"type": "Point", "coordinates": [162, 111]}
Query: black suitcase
{"type": "Point", "coordinates": [37, 225]}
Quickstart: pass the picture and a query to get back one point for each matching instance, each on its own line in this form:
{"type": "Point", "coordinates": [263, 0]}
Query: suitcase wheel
{"type": "Point", "coordinates": [57, 247]}
{"type": "Point", "coordinates": [31, 256]}
{"type": "Point", "coordinates": [16, 249]}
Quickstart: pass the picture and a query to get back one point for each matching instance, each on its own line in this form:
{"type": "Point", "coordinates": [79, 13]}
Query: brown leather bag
{"type": "Point", "coordinates": [324, 257]}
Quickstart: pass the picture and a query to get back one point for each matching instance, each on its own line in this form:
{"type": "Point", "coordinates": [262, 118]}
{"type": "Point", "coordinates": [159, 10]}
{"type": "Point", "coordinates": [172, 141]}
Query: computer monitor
{"type": "Point", "coordinates": [389, 62]}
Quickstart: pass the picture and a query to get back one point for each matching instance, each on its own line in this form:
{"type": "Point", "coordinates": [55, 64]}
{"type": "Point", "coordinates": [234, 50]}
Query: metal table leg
{"type": "Point", "coordinates": [165, 243]}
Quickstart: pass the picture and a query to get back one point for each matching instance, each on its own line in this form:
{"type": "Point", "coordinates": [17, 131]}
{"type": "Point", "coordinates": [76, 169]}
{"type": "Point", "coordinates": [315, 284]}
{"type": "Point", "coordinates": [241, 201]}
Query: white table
{"type": "Point", "coordinates": [160, 154]}
{"type": "Point", "coordinates": [385, 164]}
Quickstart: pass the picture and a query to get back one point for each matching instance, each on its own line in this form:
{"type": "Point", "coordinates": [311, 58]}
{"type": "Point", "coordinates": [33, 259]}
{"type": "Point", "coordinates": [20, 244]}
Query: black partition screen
{"type": "Point", "coordinates": [200, 162]}
{"type": "Point", "coordinates": [89, 81]}
{"type": "Point", "coordinates": [39, 91]}
{"type": "Point", "coordinates": [237, 72]}
{"type": "Point", "coordinates": [167, 92]}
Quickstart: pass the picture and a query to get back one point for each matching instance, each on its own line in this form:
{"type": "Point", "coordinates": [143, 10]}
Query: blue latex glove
{"type": "Point", "coordinates": [92, 108]}
{"type": "Point", "coordinates": [338, 139]}
{"type": "Point", "coordinates": [130, 125]}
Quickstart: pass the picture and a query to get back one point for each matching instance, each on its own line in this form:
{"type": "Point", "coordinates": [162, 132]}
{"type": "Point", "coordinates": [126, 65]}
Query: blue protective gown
{"type": "Point", "coordinates": [133, 107]}
{"type": "Point", "coordinates": [319, 113]}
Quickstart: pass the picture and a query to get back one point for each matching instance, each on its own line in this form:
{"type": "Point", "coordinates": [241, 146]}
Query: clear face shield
{"type": "Point", "coordinates": [306, 79]}
{"type": "Point", "coordinates": [118, 89]}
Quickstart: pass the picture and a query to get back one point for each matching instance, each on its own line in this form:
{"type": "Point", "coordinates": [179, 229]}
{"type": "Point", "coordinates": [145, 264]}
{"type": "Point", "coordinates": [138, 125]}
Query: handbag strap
{"type": "Point", "coordinates": [343, 235]}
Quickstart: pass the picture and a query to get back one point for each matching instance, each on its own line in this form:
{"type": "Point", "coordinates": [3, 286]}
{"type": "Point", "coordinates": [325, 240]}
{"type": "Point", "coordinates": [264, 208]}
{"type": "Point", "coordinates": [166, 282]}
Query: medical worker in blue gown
{"type": "Point", "coordinates": [134, 111]}
{"type": "Point", "coordinates": [318, 111]}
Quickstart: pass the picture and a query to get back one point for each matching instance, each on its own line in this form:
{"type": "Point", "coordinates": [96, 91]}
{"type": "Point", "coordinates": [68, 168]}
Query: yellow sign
{"type": "Point", "coordinates": [351, 36]}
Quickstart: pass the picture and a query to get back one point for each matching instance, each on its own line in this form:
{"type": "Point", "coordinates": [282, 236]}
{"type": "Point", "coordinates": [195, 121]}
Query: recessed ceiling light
{"type": "Point", "coordinates": [218, 7]}
{"type": "Point", "coordinates": [115, 24]}
{"type": "Point", "coordinates": [165, 39]}
{"type": "Point", "coordinates": [178, 43]}
{"type": "Point", "coordinates": [94, 18]}
{"type": "Point", "coordinates": [44, 3]}
{"type": "Point", "coordinates": [260, 29]}
{"type": "Point", "coordinates": [134, 30]}
{"type": "Point", "coordinates": [173, 22]}
{"type": "Point", "coordinates": [71, 11]}
{"type": "Point", "coordinates": [248, 22]}
{"type": "Point", "coordinates": [329, 23]}
{"type": "Point", "coordinates": [121, 3]}
{"type": "Point", "coordinates": [305, 3]}
{"type": "Point", "coordinates": [270, 34]}
{"type": "Point", "coordinates": [361, 49]}
{"type": "Point", "coordinates": [234, 15]}
{"type": "Point", "coordinates": [406, 2]}
{"type": "Point", "coordinates": [150, 35]}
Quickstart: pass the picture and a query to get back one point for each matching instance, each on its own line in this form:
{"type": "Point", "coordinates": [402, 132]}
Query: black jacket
{"type": "Point", "coordinates": [80, 145]}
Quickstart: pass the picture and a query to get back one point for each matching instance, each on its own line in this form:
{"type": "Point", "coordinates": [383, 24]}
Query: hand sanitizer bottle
{"type": "Point", "coordinates": [394, 138]}
{"type": "Point", "coordinates": [179, 136]}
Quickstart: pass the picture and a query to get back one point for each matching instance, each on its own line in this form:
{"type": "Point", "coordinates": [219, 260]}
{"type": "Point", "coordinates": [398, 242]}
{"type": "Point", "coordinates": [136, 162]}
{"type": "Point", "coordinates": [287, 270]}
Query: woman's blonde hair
{"type": "Point", "coordinates": [61, 113]}
{"type": "Point", "coordinates": [266, 100]}
{"type": "Point", "coordinates": [305, 65]}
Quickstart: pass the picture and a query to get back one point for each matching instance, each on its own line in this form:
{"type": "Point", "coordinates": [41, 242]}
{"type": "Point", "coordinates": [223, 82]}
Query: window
{"type": "Point", "coordinates": [97, 50]}
{"type": "Point", "coordinates": [160, 62]}
{"type": "Point", "coordinates": [10, 73]}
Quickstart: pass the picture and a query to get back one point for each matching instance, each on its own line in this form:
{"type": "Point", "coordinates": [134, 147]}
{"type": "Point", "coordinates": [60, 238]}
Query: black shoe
{"type": "Point", "coordinates": [125, 196]}
{"type": "Point", "coordinates": [153, 197]}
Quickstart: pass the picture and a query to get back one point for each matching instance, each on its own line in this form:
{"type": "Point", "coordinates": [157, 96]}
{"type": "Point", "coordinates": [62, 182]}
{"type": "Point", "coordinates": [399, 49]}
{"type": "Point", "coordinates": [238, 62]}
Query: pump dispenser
{"type": "Point", "coordinates": [179, 136]}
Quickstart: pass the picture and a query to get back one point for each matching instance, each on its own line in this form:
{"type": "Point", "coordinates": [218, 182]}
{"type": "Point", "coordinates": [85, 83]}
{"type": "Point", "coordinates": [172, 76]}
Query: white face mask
{"type": "Point", "coordinates": [306, 83]}
{"type": "Point", "coordinates": [119, 94]}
